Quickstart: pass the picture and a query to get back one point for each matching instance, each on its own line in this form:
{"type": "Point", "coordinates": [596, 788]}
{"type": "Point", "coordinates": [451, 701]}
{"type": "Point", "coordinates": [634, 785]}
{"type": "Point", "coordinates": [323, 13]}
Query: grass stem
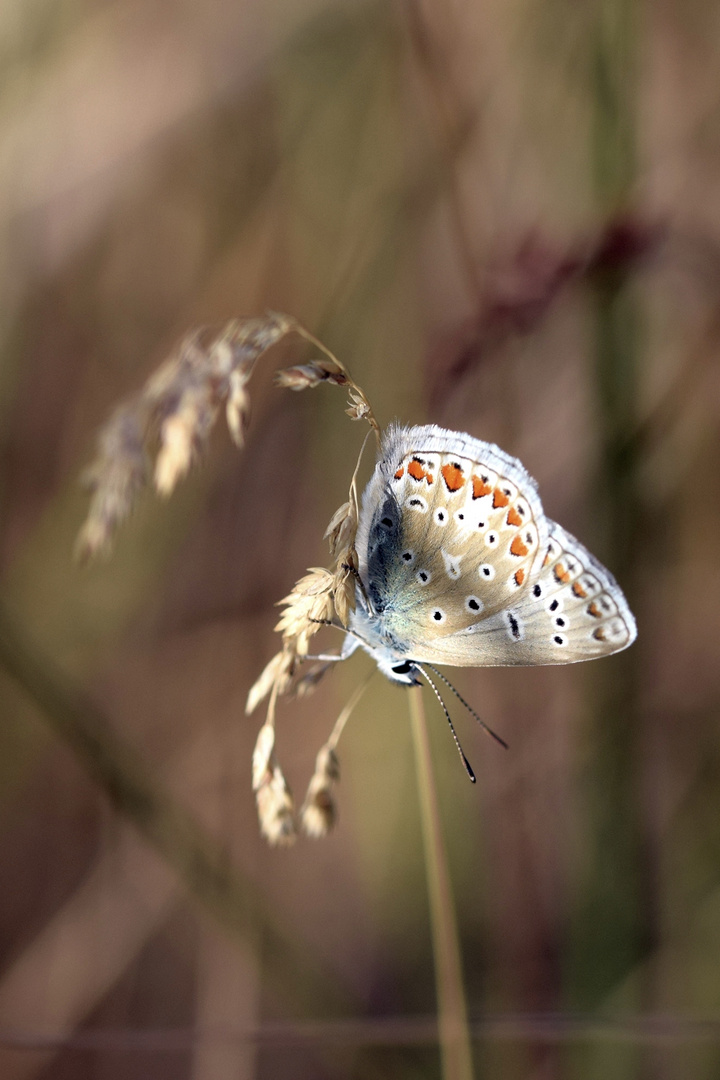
{"type": "Point", "coordinates": [453, 1031]}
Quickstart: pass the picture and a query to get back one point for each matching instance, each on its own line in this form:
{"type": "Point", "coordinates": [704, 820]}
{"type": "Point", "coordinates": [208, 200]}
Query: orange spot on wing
{"type": "Point", "coordinates": [519, 577]}
{"type": "Point", "coordinates": [453, 477]}
{"type": "Point", "coordinates": [561, 574]}
{"type": "Point", "coordinates": [500, 498]}
{"type": "Point", "coordinates": [594, 610]}
{"type": "Point", "coordinates": [417, 470]}
{"type": "Point", "coordinates": [578, 590]}
{"type": "Point", "coordinates": [599, 634]}
{"type": "Point", "coordinates": [517, 547]}
{"type": "Point", "coordinates": [399, 473]}
{"type": "Point", "coordinates": [480, 488]}
{"type": "Point", "coordinates": [513, 517]}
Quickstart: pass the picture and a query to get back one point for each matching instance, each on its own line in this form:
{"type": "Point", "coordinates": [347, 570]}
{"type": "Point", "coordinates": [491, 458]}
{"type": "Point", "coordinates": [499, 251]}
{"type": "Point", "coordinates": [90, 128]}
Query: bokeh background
{"type": "Point", "coordinates": [504, 218]}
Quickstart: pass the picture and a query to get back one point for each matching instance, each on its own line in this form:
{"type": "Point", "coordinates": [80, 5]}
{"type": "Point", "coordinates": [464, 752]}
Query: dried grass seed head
{"type": "Point", "coordinates": [275, 810]}
{"type": "Point", "coordinates": [116, 476]}
{"type": "Point", "coordinates": [179, 404]}
{"type": "Point", "coordinates": [342, 528]}
{"type": "Point", "coordinates": [278, 670]}
{"type": "Point", "coordinates": [319, 812]}
{"type": "Point", "coordinates": [183, 434]}
{"type": "Point", "coordinates": [307, 607]}
{"type": "Point", "coordinates": [237, 409]}
{"type": "Point", "coordinates": [344, 589]}
{"type": "Point", "coordinates": [262, 759]}
{"type": "Point", "coordinates": [305, 376]}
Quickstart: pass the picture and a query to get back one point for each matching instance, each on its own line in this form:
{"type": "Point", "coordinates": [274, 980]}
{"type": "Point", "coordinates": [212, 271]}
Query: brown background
{"type": "Point", "coordinates": [504, 217]}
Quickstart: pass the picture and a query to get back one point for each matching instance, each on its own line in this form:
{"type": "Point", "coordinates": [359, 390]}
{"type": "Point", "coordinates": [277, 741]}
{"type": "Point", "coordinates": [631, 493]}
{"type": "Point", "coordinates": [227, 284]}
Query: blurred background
{"type": "Point", "coordinates": [504, 218]}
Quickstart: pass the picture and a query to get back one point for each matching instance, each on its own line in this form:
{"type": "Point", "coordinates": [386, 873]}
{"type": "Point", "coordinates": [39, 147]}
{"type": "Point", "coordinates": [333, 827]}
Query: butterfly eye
{"type": "Point", "coordinates": [423, 576]}
{"type": "Point", "coordinates": [403, 669]}
{"type": "Point", "coordinates": [486, 571]}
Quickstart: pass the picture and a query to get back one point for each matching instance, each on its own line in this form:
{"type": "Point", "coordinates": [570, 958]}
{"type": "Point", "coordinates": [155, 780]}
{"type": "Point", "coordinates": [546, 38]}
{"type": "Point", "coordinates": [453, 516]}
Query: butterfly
{"type": "Point", "coordinates": [458, 565]}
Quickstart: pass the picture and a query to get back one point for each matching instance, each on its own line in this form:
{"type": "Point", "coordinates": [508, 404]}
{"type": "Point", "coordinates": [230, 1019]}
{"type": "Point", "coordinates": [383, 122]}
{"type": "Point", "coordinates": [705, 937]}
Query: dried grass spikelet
{"type": "Point", "coordinates": [343, 592]}
{"type": "Point", "coordinates": [328, 369]}
{"type": "Point", "coordinates": [118, 473]}
{"type": "Point", "coordinates": [262, 759]}
{"type": "Point", "coordinates": [359, 407]}
{"type": "Point", "coordinates": [278, 671]}
{"type": "Point", "coordinates": [307, 607]}
{"type": "Point", "coordinates": [177, 408]}
{"type": "Point", "coordinates": [183, 434]}
{"type": "Point", "coordinates": [342, 528]}
{"type": "Point", "coordinates": [276, 812]}
{"type": "Point", "coordinates": [319, 812]}
{"type": "Point", "coordinates": [305, 376]}
{"type": "Point", "coordinates": [237, 409]}
{"type": "Point", "coordinates": [272, 794]}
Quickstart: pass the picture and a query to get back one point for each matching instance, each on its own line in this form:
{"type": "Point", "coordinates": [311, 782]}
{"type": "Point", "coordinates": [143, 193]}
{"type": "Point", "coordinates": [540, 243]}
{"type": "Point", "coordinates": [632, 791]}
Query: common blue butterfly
{"type": "Point", "coordinates": [458, 564]}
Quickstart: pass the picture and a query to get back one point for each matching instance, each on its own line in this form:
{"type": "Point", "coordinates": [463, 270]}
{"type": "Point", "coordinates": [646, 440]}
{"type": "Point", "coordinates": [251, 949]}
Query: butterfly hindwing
{"type": "Point", "coordinates": [574, 610]}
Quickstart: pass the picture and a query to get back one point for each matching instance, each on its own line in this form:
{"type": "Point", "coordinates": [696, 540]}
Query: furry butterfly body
{"type": "Point", "coordinates": [458, 565]}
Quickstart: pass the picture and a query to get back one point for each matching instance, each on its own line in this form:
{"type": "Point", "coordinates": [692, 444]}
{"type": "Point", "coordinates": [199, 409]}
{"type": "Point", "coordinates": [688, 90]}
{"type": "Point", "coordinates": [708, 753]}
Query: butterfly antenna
{"type": "Point", "coordinates": [469, 708]}
{"type": "Point", "coordinates": [466, 763]}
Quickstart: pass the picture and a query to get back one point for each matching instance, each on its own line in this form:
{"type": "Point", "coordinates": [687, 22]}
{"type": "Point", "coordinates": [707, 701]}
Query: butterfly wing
{"type": "Point", "coordinates": [462, 566]}
{"type": "Point", "coordinates": [571, 610]}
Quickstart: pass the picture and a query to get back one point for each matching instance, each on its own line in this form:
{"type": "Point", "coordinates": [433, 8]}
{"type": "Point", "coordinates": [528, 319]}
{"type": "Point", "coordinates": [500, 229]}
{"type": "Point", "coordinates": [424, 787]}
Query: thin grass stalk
{"type": "Point", "coordinates": [453, 1030]}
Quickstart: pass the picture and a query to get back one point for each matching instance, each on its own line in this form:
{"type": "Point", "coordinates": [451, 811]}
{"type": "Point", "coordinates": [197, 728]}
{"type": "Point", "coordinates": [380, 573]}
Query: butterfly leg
{"type": "Point", "coordinates": [349, 646]}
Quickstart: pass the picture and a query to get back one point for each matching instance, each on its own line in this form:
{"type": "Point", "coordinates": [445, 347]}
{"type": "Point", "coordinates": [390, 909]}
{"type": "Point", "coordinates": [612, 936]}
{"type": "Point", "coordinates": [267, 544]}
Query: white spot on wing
{"type": "Point", "coordinates": [452, 565]}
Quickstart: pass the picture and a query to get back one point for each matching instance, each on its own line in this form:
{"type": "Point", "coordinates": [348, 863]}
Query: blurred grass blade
{"type": "Point", "coordinates": [453, 1031]}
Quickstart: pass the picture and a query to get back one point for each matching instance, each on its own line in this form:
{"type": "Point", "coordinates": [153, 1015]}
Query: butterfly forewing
{"type": "Point", "coordinates": [468, 541]}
